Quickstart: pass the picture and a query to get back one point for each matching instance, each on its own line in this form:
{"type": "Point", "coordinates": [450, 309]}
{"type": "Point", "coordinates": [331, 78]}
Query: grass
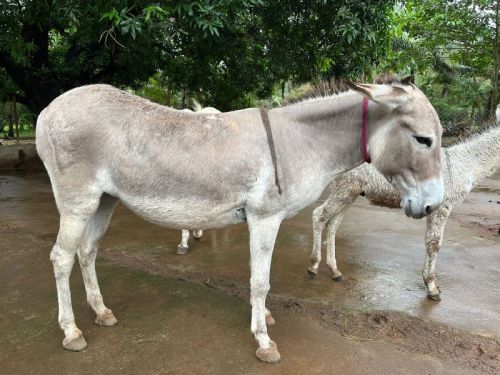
{"type": "Point", "coordinates": [25, 131]}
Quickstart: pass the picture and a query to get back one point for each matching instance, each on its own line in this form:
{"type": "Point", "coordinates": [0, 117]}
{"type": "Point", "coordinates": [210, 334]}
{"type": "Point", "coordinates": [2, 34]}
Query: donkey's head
{"type": "Point", "coordinates": [404, 144]}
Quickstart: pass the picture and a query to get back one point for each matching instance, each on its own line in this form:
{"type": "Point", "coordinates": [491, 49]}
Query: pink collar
{"type": "Point", "coordinates": [364, 125]}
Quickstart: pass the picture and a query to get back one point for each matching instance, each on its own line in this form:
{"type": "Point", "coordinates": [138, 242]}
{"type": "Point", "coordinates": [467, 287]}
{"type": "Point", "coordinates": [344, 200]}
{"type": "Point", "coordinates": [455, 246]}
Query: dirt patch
{"type": "Point", "coordinates": [486, 226]}
{"type": "Point", "coordinates": [20, 157]}
{"type": "Point", "coordinates": [168, 326]}
{"type": "Point", "coordinates": [414, 335]}
{"type": "Point", "coordinates": [411, 334]}
{"type": "Point", "coordinates": [480, 209]}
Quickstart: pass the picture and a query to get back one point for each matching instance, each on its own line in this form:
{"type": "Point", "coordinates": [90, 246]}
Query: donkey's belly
{"type": "Point", "coordinates": [185, 215]}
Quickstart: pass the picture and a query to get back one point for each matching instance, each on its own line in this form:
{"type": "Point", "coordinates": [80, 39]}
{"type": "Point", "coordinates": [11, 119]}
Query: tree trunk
{"type": "Point", "coordinates": [16, 116]}
{"type": "Point", "coordinates": [183, 99]}
{"type": "Point", "coordinates": [10, 132]}
{"type": "Point", "coordinates": [169, 95]}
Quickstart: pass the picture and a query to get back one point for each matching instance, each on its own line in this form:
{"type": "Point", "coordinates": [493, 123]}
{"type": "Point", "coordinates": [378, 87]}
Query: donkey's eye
{"type": "Point", "coordinates": [423, 140]}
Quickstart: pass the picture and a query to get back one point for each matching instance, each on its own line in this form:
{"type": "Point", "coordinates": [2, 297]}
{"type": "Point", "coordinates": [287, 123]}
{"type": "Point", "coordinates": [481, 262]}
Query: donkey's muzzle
{"type": "Point", "coordinates": [424, 199]}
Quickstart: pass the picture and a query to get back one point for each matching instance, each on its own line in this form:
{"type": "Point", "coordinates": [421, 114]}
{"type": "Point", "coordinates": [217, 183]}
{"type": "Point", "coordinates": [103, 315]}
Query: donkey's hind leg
{"type": "Point", "coordinates": [318, 226]}
{"type": "Point", "coordinates": [87, 253]}
{"type": "Point", "coordinates": [331, 259]}
{"type": "Point", "coordinates": [197, 234]}
{"type": "Point", "coordinates": [73, 224]}
{"type": "Point", "coordinates": [183, 247]}
{"type": "Point", "coordinates": [330, 213]}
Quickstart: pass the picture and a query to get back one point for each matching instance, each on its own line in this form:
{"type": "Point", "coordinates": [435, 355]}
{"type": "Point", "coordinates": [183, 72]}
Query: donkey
{"type": "Point", "coordinates": [183, 246]}
{"type": "Point", "coordinates": [464, 165]}
{"type": "Point", "coordinates": [101, 145]}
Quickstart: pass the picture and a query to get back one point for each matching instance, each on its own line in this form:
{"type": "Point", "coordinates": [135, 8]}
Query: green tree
{"type": "Point", "coordinates": [219, 51]}
{"type": "Point", "coordinates": [272, 42]}
{"type": "Point", "coordinates": [49, 46]}
{"type": "Point", "coordinates": [453, 45]}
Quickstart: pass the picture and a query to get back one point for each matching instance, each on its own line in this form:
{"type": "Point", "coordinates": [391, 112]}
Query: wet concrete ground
{"type": "Point", "coordinates": [171, 326]}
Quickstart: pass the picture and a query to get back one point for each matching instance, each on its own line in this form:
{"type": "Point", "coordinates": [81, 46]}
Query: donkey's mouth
{"type": "Point", "coordinates": [412, 210]}
{"type": "Point", "coordinates": [423, 199]}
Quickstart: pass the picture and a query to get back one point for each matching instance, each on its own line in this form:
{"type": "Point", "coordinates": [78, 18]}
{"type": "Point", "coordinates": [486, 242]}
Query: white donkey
{"type": "Point", "coordinates": [101, 145]}
{"type": "Point", "coordinates": [464, 165]}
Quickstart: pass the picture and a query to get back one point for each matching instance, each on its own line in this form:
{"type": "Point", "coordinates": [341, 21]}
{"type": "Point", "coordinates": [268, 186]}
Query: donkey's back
{"type": "Point", "coordinates": [97, 139]}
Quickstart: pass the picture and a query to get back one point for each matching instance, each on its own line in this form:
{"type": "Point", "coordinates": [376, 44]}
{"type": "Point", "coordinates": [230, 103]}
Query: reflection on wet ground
{"type": "Point", "coordinates": [379, 251]}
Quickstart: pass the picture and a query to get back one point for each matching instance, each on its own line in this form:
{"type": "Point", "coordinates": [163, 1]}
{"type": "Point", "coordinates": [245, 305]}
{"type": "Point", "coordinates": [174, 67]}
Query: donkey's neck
{"type": "Point", "coordinates": [480, 155]}
{"type": "Point", "coordinates": [323, 136]}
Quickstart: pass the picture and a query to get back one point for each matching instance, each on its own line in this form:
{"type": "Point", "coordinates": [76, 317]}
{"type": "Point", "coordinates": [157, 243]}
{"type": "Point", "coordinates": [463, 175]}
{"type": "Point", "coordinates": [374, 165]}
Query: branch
{"type": "Point", "coordinates": [21, 99]}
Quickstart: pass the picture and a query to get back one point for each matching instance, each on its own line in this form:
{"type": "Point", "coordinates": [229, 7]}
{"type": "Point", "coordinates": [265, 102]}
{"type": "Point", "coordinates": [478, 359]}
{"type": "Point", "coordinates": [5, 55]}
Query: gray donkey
{"type": "Point", "coordinates": [464, 165]}
{"type": "Point", "coordinates": [101, 145]}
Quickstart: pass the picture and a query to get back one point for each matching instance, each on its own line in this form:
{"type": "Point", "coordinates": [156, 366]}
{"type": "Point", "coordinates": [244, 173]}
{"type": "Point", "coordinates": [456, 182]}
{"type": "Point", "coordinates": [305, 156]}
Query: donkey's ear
{"type": "Point", "coordinates": [361, 88]}
{"type": "Point", "coordinates": [408, 80]}
{"type": "Point", "coordinates": [390, 97]}
{"type": "Point", "coordinates": [397, 98]}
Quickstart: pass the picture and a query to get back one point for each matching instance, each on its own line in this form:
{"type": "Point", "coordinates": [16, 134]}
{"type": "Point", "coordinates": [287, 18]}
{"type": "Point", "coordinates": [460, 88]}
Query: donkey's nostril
{"type": "Point", "coordinates": [428, 209]}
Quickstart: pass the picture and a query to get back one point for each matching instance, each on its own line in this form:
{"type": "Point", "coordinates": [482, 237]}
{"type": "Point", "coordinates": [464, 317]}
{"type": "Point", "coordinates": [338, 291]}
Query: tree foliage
{"type": "Point", "coordinates": [220, 51]}
{"type": "Point", "coordinates": [229, 53]}
{"type": "Point", "coordinates": [453, 48]}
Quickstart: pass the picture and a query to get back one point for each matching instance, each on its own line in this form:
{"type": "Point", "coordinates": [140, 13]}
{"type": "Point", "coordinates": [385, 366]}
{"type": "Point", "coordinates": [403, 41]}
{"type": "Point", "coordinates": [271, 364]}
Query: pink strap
{"type": "Point", "coordinates": [364, 124]}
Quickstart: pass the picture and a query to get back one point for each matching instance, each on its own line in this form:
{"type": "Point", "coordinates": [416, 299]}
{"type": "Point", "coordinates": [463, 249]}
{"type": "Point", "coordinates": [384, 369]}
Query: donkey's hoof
{"type": "Point", "coordinates": [107, 319]}
{"type": "Point", "coordinates": [182, 250]}
{"type": "Point", "coordinates": [338, 279]}
{"type": "Point", "coordinates": [311, 272]}
{"type": "Point", "coordinates": [75, 344]}
{"type": "Point", "coordinates": [197, 238]}
{"type": "Point", "coordinates": [434, 297]}
{"type": "Point", "coordinates": [269, 355]}
{"type": "Point", "coordinates": [270, 320]}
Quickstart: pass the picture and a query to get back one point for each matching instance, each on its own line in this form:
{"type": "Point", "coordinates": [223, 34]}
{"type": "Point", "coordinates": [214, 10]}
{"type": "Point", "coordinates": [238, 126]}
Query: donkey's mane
{"type": "Point", "coordinates": [336, 87]}
{"type": "Point", "coordinates": [475, 135]}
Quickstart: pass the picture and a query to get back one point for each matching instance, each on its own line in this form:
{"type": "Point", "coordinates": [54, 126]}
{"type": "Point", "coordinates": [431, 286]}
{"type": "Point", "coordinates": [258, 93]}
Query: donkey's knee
{"type": "Point", "coordinates": [71, 233]}
{"type": "Point", "coordinates": [62, 260]}
{"type": "Point", "coordinates": [318, 218]}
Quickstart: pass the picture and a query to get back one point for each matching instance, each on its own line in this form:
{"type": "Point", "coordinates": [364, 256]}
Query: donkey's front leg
{"type": "Point", "coordinates": [433, 240]}
{"type": "Point", "coordinates": [263, 233]}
